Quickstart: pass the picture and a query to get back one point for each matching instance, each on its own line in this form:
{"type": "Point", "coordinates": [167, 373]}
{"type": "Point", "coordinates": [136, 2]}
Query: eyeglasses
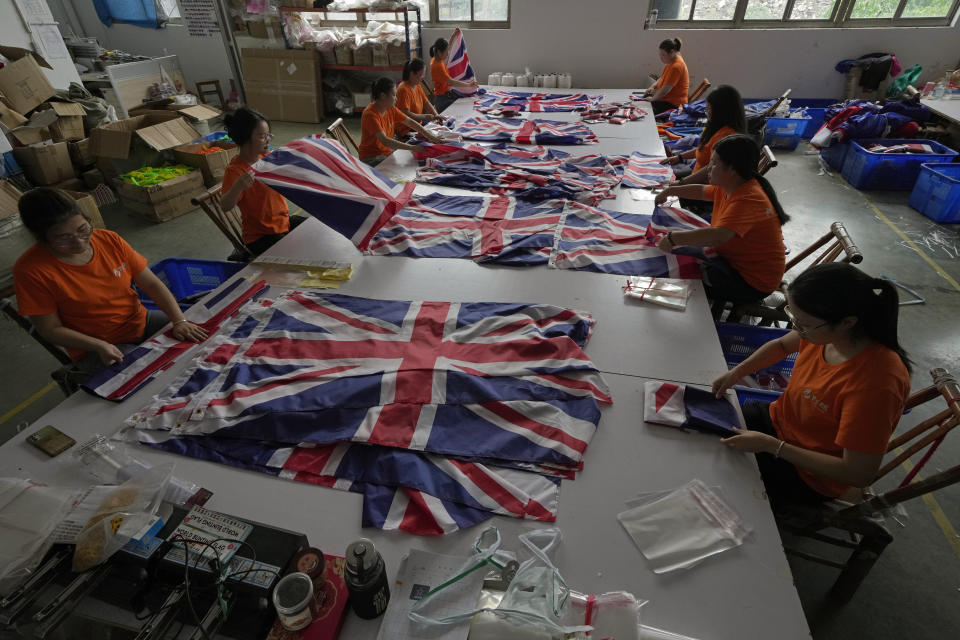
{"type": "Point", "coordinates": [799, 327]}
{"type": "Point", "coordinates": [83, 233]}
{"type": "Point", "coordinates": [265, 136]}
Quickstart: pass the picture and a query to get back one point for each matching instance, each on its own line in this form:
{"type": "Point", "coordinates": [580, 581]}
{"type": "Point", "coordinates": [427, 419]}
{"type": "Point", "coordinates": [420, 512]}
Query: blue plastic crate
{"type": "Point", "coordinates": [683, 132]}
{"type": "Point", "coordinates": [835, 155]}
{"type": "Point", "coordinates": [937, 192]}
{"type": "Point", "coordinates": [784, 133]}
{"type": "Point", "coordinates": [816, 115]}
{"type": "Point", "coordinates": [188, 276]}
{"type": "Point", "coordinates": [739, 341]}
{"type": "Point", "coordinates": [9, 166]}
{"type": "Point", "coordinates": [889, 171]}
{"type": "Point", "coordinates": [746, 394]}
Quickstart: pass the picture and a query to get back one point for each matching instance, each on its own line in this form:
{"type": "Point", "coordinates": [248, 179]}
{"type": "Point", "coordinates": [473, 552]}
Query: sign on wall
{"type": "Point", "coordinates": [200, 17]}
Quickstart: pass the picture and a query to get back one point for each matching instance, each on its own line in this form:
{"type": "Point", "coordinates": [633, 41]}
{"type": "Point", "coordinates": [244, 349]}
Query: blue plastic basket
{"type": "Point", "coordinates": [890, 171]}
{"type": "Point", "coordinates": [937, 192]}
{"type": "Point", "coordinates": [683, 132]}
{"type": "Point", "coordinates": [9, 166]}
{"type": "Point", "coordinates": [746, 394]}
{"type": "Point", "coordinates": [188, 276]}
{"type": "Point", "coordinates": [816, 115]}
{"type": "Point", "coordinates": [835, 155]}
{"type": "Point", "coordinates": [738, 341]}
{"type": "Point", "coordinates": [784, 133]}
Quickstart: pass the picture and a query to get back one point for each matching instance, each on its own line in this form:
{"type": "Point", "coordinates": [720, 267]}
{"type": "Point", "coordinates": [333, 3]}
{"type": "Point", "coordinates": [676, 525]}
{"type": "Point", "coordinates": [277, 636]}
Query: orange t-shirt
{"type": "Point", "coordinates": [412, 99]}
{"type": "Point", "coordinates": [95, 299]}
{"type": "Point", "coordinates": [831, 407]}
{"type": "Point", "coordinates": [703, 155]}
{"type": "Point", "coordinates": [440, 76]}
{"type": "Point", "coordinates": [675, 74]}
{"type": "Point", "coordinates": [263, 211]}
{"type": "Point", "coordinates": [371, 123]}
{"type": "Point", "coordinates": [756, 251]}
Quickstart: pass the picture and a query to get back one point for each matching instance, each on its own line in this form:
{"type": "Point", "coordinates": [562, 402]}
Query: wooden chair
{"type": "Point", "coordinates": [227, 221]}
{"type": "Point", "coordinates": [60, 376]}
{"type": "Point", "coordinates": [837, 244]}
{"type": "Point", "coordinates": [862, 522]}
{"type": "Point", "coordinates": [767, 160]}
{"type": "Point", "coordinates": [699, 91]}
{"type": "Point", "coordinates": [757, 122]}
{"type": "Point", "coordinates": [772, 108]}
{"type": "Point", "coordinates": [210, 87]}
{"type": "Point", "coordinates": [339, 132]}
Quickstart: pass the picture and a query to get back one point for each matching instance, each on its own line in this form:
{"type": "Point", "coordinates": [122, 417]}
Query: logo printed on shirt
{"type": "Point", "coordinates": [808, 394]}
{"type": "Point", "coordinates": [119, 271]}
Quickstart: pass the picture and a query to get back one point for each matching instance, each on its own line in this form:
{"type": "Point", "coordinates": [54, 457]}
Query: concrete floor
{"type": "Point", "coordinates": [914, 589]}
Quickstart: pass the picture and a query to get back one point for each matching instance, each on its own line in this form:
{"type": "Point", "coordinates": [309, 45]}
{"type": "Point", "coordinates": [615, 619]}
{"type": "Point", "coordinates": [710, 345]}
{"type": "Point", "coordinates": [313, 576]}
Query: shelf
{"type": "Point", "coordinates": [395, 12]}
{"type": "Point", "coordinates": [353, 67]}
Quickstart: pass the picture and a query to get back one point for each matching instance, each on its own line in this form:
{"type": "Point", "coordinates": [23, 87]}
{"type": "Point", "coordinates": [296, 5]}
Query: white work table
{"type": "Point", "coordinates": [949, 109]}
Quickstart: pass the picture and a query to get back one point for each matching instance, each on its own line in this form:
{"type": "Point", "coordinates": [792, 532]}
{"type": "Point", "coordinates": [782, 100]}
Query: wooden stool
{"type": "Point", "coordinates": [209, 87]}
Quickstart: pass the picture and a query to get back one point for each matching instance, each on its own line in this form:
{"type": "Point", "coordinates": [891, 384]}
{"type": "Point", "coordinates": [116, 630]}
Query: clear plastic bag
{"type": "Point", "coordinates": [29, 513]}
{"type": "Point", "coordinates": [687, 525]}
{"type": "Point", "coordinates": [125, 511]}
{"type": "Point", "coordinates": [663, 291]}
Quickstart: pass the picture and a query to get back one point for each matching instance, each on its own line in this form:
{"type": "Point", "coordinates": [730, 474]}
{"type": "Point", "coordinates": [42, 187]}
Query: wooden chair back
{"type": "Point", "coordinates": [772, 108]}
{"type": "Point", "coordinates": [767, 160]}
{"type": "Point", "coordinates": [699, 91]}
{"type": "Point", "coordinates": [835, 244]}
{"type": "Point", "coordinates": [339, 132]}
{"type": "Point", "coordinates": [228, 222]}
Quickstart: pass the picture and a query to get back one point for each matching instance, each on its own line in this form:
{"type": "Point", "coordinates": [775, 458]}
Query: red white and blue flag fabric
{"type": "Point", "coordinates": [329, 183]}
{"type": "Point", "coordinates": [458, 65]}
{"type": "Point", "coordinates": [142, 364]}
{"type": "Point", "coordinates": [613, 113]}
{"type": "Point", "coordinates": [495, 229]}
{"type": "Point", "coordinates": [524, 131]}
{"type": "Point", "coordinates": [644, 172]}
{"type": "Point", "coordinates": [535, 102]}
{"type": "Point", "coordinates": [688, 407]}
{"type": "Point", "coordinates": [592, 239]}
{"type": "Point", "coordinates": [505, 386]}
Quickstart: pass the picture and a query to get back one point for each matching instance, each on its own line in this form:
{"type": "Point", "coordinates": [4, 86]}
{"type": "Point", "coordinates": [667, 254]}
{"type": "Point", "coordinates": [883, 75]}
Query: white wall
{"type": "Point", "coordinates": [14, 33]}
{"type": "Point", "coordinates": [608, 48]}
{"type": "Point", "coordinates": [201, 58]}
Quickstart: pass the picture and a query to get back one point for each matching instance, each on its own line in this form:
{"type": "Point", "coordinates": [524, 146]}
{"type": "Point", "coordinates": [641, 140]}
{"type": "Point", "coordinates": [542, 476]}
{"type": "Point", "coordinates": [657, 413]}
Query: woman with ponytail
{"type": "Point", "coordinates": [745, 228]}
{"type": "Point", "coordinates": [441, 77]}
{"type": "Point", "coordinates": [829, 430]}
{"type": "Point", "coordinates": [672, 88]}
{"type": "Point", "coordinates": [411, 99]}
{"type": "Point", "coordinates": [379, 122]}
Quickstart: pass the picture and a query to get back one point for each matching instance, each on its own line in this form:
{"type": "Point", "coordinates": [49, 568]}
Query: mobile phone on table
{"type": "Point", "coordinates": [51, 441]}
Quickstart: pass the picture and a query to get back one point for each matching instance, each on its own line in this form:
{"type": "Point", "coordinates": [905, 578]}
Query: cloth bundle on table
{"type": "Point", "coordinates": [613, 113]}
{"type": "Point", "coordinates": [688, 407]}
{"type": "Point", "coordinates": [440, 413]}
{"type": "Point", "coordinates": [690, 115]}
{"type": "Point", "coordinates": [643, 171]}
{"type": "Point", "coordinates": [535, 102]}
{"type": "Point", "coordinates": [523, 131]}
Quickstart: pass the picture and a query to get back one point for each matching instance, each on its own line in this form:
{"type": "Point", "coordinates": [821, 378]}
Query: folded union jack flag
{"type": "Point", "coordinates": [687, 407]}
{"type": "Point", "coordinates": [535, 102]}
{"type": "Point", "coordinates": [613, 113]}
{"type": "Point", "coordinates": [477, 408]}
{"type": "Point", "coordinates": [524, 131]}
{"type": "Point", "coordinates": [643, 172]}
{"type": "Point", "coordinates": [329, 183]}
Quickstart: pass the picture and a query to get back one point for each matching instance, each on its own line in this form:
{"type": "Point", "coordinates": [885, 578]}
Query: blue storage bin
{"type": "Point", "coordinates": [747, 394]}
{"type": "Point", "coordinates": [817, 118]}
{"type": "Point", "coordinates": [937, 192]}
{"type": "Point", "coordinates": [739, 341]}
{"type": "Point", "coordinates": [890, 171]}
{"type": "Point", "coordinates": [784, 133]}
{"type": "Point", "coordinates": [188, 276]}
{"type": "Point", "coordinates": [683, 132]}
{"type": "Point", "coordinates": [9, 166]}
{"type": "Point", "coordinates": [835, 155]}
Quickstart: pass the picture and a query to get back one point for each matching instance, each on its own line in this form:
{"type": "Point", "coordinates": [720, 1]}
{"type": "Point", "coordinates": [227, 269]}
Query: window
{"type": "Point", "coordinates": [803, 13]}
{"type": "Point", "coordinates": [489, 14]}
{"type": "Point", "coordinates": [168, 11]}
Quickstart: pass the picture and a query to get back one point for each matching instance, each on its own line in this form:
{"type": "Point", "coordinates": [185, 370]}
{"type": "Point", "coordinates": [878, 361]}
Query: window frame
{"type": "Point", "coordinates": [840, 17]}
{"type": "Point", "coordinates": [435, 21]}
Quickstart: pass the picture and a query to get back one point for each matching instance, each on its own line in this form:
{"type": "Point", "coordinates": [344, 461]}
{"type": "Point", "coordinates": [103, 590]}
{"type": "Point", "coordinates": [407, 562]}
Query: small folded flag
{"type": "Point", "coordinates": [687, 407]}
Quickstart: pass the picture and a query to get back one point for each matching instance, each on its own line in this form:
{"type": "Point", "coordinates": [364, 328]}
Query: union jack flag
{"type": "Point", "coordinates": [329, 183]}
{"type": "Point", "coordinates": [496, 229]}
{"type": "Point", "coordinates": [642, 172]}
{"type": "Point", "coordinates": [535, 102]}
{"type": "Point", "coordinates": [458, 65]}
{"type": "Point", "coordinates": [525, 131]}
{"type": "Point", "coordinates": [592, 239]}
{"type": "Point", "coordinates": [613, 113]}
{"type": "Point", "coordinates": [475, 397]}
{"type": "Point", "coordinates": [666, 219]}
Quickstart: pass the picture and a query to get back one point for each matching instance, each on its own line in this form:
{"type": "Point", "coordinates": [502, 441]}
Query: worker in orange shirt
{"type": "Point", "coordinates": [672, 87]}
{"type": "Point", "coordinates": [441, 77]}
{"type": "Point", "coordinates": [745, 228]}
{"type": "Point", "coordinates": [411, 98]}
{"type": "Point", "coordinates": [826, 436]}
{"type": "Point", "coordinates": [74, 284]}
{"type": "Point", "coordinates": [379, 121]}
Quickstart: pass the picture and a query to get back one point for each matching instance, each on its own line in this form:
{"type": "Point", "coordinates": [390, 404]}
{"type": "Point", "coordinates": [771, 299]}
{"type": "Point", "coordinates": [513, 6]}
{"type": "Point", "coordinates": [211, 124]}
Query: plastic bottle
{"type": "Point", "coordinates": [938, 91]}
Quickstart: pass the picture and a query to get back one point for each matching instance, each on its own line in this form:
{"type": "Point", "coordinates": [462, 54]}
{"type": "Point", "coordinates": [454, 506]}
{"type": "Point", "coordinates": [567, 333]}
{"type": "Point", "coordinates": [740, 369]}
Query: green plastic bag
{"type": "Point", "coordinates": [898, 86]}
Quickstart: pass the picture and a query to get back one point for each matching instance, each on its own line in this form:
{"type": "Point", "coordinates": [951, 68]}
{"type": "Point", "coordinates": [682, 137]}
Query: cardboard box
{"type": "Point", "coordinates": [363, 56]}
{"type": "Point", "coordinates": [9, 197]}
{"type": "Point", "coordinates": [37, 129]}
{"type": "Point", "coordinates": [70, 184]}
{"type": "Point", "coordinates": [163, 201]}
{"type": "Point", "coordinates": [166, 210]}
{"type": "Point", "coordinates": [284, 84]}
{"type": "Point", "coordinates": [160, 130]}
{"type": "Point", "coordinates": [267, 28]}
{"type": "Point", "coordinates": [88, 206]}
{"type": "Point", "coordinates": [211, 165]}
{"type": "Point", "coordinates": [10, 118]}
{"type": "Point", "coordinates": [80, 153]}
{"type": "Point", "coordinates": [45, 164]}
{"type": "Point", "coordinates": [68, 127]}
{"type": "Point", "coordinates": [92, 178]}
{"type": "Point", "coordinates": [22, 82]}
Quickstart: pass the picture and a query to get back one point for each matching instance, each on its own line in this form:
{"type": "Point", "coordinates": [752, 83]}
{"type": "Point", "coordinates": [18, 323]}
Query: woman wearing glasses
{"type": "Point", "coordinates": [829, 430]}
{"type": "Point", "coordinates": [75, 285]}
{"type": "Point", "coordinates": [264, 214]}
